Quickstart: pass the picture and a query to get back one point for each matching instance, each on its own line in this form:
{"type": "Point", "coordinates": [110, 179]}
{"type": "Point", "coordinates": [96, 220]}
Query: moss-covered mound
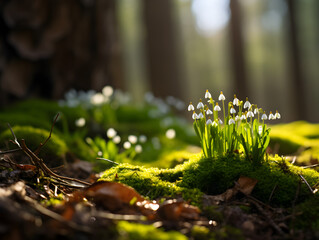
{"type": "Point", "coordinates": [215, 176]}
{"type": "Point", "coordinates": [52, 152]}
{"type": "Point", "coordinates": [298, 138]}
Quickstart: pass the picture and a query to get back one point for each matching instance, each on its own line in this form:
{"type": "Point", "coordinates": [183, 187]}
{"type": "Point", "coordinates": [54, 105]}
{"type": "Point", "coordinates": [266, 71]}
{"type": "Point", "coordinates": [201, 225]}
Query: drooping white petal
{"type": "Point", "coordinates": [207, 94]}
{"type": "Point", "coordinates": [190, 107]}
{"type": "Point", "coordinates": [221, 97]}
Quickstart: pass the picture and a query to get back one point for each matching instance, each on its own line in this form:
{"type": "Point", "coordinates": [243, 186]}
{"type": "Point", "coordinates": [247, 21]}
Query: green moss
{"type": "Point", "coordinates": [52, 152]}
{"type": "Point", "coordinates": [215, 176]}
{"type": "Point", "coordinates": [152, 182]}
{"type": "Point", "coordinates": [135, 231]}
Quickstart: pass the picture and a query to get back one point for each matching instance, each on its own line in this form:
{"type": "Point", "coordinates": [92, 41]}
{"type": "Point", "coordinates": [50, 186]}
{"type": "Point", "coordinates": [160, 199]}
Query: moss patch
{"type": "Point", "coordinates": [215, 176]}
{"type": "Point", "coordinates": [52, 152]}
{"type": "Point", "coordinates": [135, 231]}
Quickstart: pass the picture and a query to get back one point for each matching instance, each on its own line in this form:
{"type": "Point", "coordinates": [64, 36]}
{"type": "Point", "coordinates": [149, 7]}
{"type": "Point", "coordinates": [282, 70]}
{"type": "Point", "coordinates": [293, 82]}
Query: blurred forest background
{"type": "Point", "coordinates": [266, 50]}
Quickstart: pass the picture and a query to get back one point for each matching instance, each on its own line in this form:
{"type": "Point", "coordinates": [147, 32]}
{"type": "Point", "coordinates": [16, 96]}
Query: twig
{"type": "Point", "coordinates": [272, 193]}
{"type": "Point", "coordinates": [105, 159]}
{"type": "Point", "coordinates": [311, 166]}
{"type": "Point", "coordinates": [305, 181]}
{"type": "Point", "coordinates": [270, 220]}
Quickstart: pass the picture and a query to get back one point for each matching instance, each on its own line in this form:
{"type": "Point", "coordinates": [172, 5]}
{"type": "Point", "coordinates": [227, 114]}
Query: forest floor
{"type": "Point", "coordinates": [34, 207]}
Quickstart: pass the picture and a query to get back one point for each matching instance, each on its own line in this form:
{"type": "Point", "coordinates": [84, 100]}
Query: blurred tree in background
{"type": "Point", "coordinates": [267, 50]}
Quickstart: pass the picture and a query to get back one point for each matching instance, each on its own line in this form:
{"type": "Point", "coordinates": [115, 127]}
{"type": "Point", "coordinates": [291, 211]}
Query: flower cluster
{"type": "Point", "coordinates": [240, 125]}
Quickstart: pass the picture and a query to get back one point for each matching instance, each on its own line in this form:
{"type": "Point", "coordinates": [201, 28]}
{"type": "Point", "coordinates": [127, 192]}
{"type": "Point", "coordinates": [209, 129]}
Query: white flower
{"type": "Point", "coordinates": [190, 107]}
{"type": "Point", "coordinates": [264, 116]}
{"type": "Point", "coordinates": [207, 94]}
{"type": "Point", "coordinates": [211, 101]}
{"type": "Point", "coordinates": [247, 104]}
{"type": "Point", "coordinates": [215, 124]}
{"type": "Point", "coordinates": [250, 114]}
{"type": "Point", "coordinates": [271, 116]}
{"type": "Point", "coordinates": [231, 121]}
{"type": "Point", "coordinates": [260, 129]}
{"type": "Point", "coordinates": [132, 139]}
{"type": "Point", "coordinates": [232, 110]}
{"type": "Point", "coordinates": [111, 133]}
{"type": "Point", "coordinates": [170, 133]}
{"type": "Point", "coordinates": [209, 121]}
{"type": "Point", "coordinates": [236, 101]}
{"type": "Point", "coordinates": [200, 104]}
{"type": "Point", "coordinates": [242, 117]}
{"type": "Point", "coordinates": [256, 111]}
{"type": "Point", "coordinates": [116, 139]}
{"type": "Point", "coordinates": [200, 115]}
{"type": "Point", "coordinates": [142, 138]}
{"type": "Point", "coordinates": [107, 91]}
{"type": "Point", "coordinates": [138, 148]}
{"type": "Point", "coordinates": [208, 111]}
{"type": "Point", "coordinates": [194, 116]}
{"type": "Point", "coordinates": [221, 97]}
{"type": "Point", "coordinates": [80, 122]}
{"type": "Point", "coordinates": [217, 108]}
{"type": "Point", "coordinates": [97, 99]}
{"type": "Point", "coordinates": [237, 118]}
{"type": "Point", "coordinates": [127, 145]}
{"type": "Point", "coordinates": [220, 121]}
{"type": "Point", "coordinates": [277, 115]}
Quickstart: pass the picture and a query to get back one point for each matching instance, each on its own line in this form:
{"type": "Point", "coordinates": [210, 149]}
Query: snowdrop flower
{"type": "Point", "coordinates": [142, 138]}
{"type": "Point", "coordinates": [208, 111]}
{"type": "Point", "coordinates": [232, 110]}
{"type": "Point", "coordinates": [138, 148]}
{"type": "Point", "coordinates": [200, 104]}
{"type": "Point", "coordinates": [220, 121]}
{"type": "Point", "coordinates": [116, 139]}
{"type": "Point", "coordinates": [250, 114]}
{"type": "Point", "coordinates": [264, 116]}
{"type": "Point", "coordinates": [236, 100]}
{"type": "Point", "coordinates": [80, 122]}
{"type": "Point", "coordinates": [221, 97]}
{"type": "Point", "coordinates": [200, 115]}
{"type": "Point", "coordinates": [256, 110]}
{"type": "Point", "coordinates": [260, 129]}
{"type": "Point", "coordinates": [237, 118]}
{"type": "Point", "coordinates": [127, 145]}
{"type": "Point", "coordinates": [111, 133]}
{"type": "Point", "coordinates": [190, 107]}
{"type": "Point", "coordinates": [277, 115]}
{"type": "Point", "coordinates": [207, 94]}
{"type": "Point", "coordinates": [97, 99]}
{"type": "Point", "coordinates": [231, 121]}
{"type": "Point", "coordinates": [107, 91]}
{"type": "Point", "coordinates": [132, 139]}
{"type": "Point", "coordinates": [209, 121]}
{"type": "Point", "coordinates": [170, 133]}
{"type": "Point", "coordinates": [215, 124]}
{"type": "Point", "coordinates": [242, 117]}
{"type": "Point", "coordinates": [194, 116]}
{"type": "Point", "coordinates": [211, 101]}
{"type": "Point", "coordinates": [217, 108]}
{"type": "Point", "coordinates": [271, 116]}
{"type": "Point", "coordinates": [247, 104]}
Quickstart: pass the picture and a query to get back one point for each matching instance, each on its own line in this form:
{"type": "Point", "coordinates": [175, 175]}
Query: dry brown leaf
{"type": "Point", "coordinates": [177, 210]}
{"type": "Point", "coordinates": [246, 185]}
{"type": "Point", "coordinates": [111, 195]}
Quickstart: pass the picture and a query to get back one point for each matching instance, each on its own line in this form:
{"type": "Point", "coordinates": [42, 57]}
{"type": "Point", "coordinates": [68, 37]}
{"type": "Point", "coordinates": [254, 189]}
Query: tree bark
{"type": "Point", "coordinates": [164, 71]}
{"type": "Point", "coordinates": [51, 46]}
{"type": "Point", "coordinates": [238, 50]}
{"type": "Point", "coordinates": [294, 62]}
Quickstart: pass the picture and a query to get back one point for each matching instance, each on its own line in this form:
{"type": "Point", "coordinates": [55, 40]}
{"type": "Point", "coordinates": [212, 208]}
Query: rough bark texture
{"type": "Point", "coordinates": [237, 50]}
{"type": "Point", "coordinates": [161, 47]}
{"type": "Point", "coordinates": [50, 46]}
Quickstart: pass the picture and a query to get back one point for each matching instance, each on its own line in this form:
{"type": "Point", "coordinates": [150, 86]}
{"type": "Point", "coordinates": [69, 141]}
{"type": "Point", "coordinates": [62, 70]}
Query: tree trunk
{"type": "Point", "coordinates": [238, 50]}
{"type": "Point", "coordinates": [294, 62]}
{"type": "Point", "coordinates": [164, 71]}
{"type": "Point", "coordinates": [51, 46]}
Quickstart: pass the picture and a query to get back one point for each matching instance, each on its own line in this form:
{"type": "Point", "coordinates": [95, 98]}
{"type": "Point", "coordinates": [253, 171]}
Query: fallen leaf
{"type": "Point", "coordinates": [246, 185]}
{"type": "Point", "coordinates": [111, 195]}
{"type": "Point", "coordinates": [177, 210]}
